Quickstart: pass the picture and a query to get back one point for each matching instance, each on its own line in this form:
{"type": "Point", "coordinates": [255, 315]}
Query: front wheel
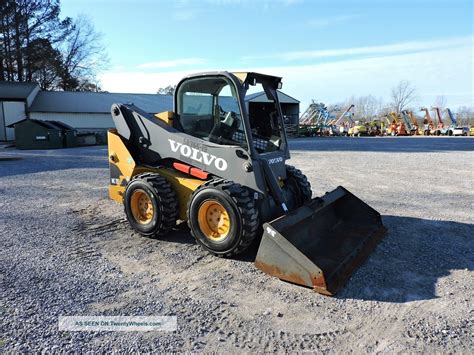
{"type": "Point", "coordinates": [223, 217]}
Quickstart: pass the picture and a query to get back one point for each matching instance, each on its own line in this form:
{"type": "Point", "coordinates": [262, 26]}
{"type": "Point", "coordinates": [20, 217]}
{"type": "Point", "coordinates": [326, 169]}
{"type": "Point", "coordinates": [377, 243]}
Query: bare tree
{"type": "Point", "coordinates": [440, 102]}
{"type": "Point", "coordinates": [82, 56]}
{"type": "Point", "coordinates": [403, 95]}
{"type": "Point", "coordinates": [465, 115]}
{"type": "Point", "coordinates": [367, 107]}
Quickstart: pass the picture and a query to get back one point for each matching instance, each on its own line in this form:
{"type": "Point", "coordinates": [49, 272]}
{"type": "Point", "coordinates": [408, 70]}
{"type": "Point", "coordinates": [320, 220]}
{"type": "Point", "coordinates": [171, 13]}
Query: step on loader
{"type": "Point", "coordinates": [218, 162]}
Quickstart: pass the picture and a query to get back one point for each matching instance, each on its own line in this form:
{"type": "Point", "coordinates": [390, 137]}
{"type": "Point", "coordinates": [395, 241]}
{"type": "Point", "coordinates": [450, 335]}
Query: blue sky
{"type": "Point", "coordinates": [325, 50]}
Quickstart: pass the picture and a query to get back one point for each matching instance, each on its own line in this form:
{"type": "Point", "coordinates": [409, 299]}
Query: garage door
{"type": "Point", "coordinates": [12, 112]}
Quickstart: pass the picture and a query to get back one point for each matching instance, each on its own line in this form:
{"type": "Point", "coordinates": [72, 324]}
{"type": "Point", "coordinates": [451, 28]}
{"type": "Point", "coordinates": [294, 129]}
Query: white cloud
{"type": "Point", "coordinates": [405, 47]}
{"type": "Point", "coordinates": [447, 72]}
{"type": "Point", "coordinates": [140, 81]}
{"type": "Point", "coordinates": [172, 63]}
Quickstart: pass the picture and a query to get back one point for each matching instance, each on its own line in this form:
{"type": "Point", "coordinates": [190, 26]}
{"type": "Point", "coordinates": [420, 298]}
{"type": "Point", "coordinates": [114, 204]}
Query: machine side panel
{"type": "Point", "coordinates": [154, 141]}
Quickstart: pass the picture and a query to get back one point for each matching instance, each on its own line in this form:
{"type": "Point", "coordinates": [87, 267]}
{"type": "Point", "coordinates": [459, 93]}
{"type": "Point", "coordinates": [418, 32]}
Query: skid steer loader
{"type": "Point", "coordinates": [218, 162]}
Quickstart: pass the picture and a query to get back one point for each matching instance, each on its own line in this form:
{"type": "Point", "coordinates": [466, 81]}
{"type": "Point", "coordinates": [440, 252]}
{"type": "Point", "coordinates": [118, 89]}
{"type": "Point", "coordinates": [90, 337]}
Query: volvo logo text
{"type": "Point", "coordinates": [198, 155]}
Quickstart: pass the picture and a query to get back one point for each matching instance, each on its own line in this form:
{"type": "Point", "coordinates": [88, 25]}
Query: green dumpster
{"type": "Point", "coordinates": [37, 134]}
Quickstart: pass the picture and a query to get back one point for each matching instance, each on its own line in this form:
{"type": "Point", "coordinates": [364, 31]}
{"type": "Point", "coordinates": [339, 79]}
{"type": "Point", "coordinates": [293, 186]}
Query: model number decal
{"type": "Point", "coordinates": [275, 160]}
{"type": "Point", "coordinates": [198, 155]}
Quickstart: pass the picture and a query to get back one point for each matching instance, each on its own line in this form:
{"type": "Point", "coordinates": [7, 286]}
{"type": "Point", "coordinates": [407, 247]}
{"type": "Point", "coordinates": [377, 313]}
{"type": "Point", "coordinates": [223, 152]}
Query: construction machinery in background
{"type": "Point", "coordinates": [341, 125]}
{"type": "Point", "coordinates": [428, 124]}
{"type": "Point", "coordinates": [410, 122]}
{"type": "Point", "coordinates": [313, 121]}
{"type": "Point", "coordinates": [396, 125]}
{"type": "Point", "coordinates": [377, 127]}
{"type": "Point", "coordinates": [440, 129]}
{"type": "Point", "coordinates": [358, 129]}
{"type": "Point", "coordinates": [414, 122]}
{"type": "Point", "coordinates": [454, 129]}
{"type": "Point", "coordinates": [222, 168]}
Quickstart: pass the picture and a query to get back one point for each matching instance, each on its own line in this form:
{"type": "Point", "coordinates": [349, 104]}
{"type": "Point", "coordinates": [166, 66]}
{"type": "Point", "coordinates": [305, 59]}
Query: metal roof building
{"type": "Point", "coordinates": [92, 102]}
{"type": "Point", "coordinates": [289, 105]}
{"type": "Point", "coordinates": [14, 98]}
{"type": "Point", "coordinates": [90, 111]}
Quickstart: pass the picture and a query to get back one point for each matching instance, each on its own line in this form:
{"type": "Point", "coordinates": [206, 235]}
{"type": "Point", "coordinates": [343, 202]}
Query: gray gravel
{"type": "Point", "coordinates": [67, 250]}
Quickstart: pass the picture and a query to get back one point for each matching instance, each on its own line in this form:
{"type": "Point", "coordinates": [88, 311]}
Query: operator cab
{"type": "Point", "coordinates": [210, 107]}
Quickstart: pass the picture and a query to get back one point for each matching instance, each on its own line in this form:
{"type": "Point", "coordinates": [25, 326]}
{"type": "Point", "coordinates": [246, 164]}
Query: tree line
{"type": "Point", "coordinates": [37, 45]}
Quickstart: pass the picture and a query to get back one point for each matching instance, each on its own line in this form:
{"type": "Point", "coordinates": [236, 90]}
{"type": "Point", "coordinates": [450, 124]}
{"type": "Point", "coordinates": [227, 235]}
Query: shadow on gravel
{"type": "Point", "coordinates": [182, 235]}
{"type": "Point", "coordinates": [406, 266]}
{"type": "Point", "coordinates": [387, 144]}
{"type": "Point", "coordinates": [410, 260]}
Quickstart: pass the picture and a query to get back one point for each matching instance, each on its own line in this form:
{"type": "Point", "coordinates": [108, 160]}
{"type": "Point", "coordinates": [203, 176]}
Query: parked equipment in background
{"type": "Point", "coordinates": [340, 127]}
{"type": "Point", "coordinates": [428, 124]}
{"type": "Point", "coordinates": [314, 120]}
{"type": "Point", "coordinates": [455, 129]}
{"type": "Point", "coordinates": [412, 128]}
{"type": "Point", "coordinates": [358, 129]}
{"type": "Point", "coordinates": [210, 163]}
{"type": "Point", "coordinates": [414, 121]}
{"type": "Point", "coordinates": [441, 129]}
{"type": "Point", "coordinates": [397, 127]}
{"type": "Point", "coordinates": [376, 127]}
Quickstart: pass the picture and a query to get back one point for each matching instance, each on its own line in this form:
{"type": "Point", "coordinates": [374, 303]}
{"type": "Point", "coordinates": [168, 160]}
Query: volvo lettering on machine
{"type": "Point", "coordinates": [198, 155]}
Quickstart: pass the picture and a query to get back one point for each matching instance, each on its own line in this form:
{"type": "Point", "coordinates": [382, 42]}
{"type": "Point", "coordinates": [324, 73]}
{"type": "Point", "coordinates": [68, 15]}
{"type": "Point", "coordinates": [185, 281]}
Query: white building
{"type": "Point", "coordinates": [90, 111]}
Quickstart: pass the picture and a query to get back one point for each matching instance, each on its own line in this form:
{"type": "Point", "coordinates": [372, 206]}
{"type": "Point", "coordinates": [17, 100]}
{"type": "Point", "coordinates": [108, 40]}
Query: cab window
{"type": "Point", "coordinates": [208, 108]}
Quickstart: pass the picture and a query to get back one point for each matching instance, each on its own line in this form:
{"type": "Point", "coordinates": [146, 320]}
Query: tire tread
{"type": "Point", "coordinates": [246, 207]}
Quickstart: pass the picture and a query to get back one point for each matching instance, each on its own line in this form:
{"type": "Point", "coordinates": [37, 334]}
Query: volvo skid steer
{"type": "Point", "coordinates": [218, 162]}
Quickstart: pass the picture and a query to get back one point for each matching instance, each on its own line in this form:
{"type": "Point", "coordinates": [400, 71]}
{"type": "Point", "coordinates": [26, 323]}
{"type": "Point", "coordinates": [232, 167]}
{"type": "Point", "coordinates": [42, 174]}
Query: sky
{"type": "Point", "coordinates": [324, 50]}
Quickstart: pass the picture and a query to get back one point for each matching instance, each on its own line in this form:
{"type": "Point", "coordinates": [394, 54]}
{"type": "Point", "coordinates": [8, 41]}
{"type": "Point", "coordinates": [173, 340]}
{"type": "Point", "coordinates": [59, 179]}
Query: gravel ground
{"type": "Point", "coordinates": [67, 250]}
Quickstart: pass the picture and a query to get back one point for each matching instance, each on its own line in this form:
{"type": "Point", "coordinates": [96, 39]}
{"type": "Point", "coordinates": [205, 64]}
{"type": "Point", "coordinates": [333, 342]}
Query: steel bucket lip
{"type": "Point", "coordinates": [308, 273]}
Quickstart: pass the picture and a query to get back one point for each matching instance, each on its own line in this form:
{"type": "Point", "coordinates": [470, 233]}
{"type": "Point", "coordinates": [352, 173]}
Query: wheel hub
{"type": "Point", "coordinates": [213, 220]}
{"type": "Point", "coordinates": [142, 206]}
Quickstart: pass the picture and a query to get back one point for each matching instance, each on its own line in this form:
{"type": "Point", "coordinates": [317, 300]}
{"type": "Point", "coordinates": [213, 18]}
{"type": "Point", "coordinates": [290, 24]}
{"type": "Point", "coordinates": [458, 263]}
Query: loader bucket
{"type": "Point", "coordinates": [320, 244]}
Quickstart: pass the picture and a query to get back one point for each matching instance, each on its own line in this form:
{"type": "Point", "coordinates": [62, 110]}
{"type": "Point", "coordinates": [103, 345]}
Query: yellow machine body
{"type": "Point", "coordinates": [125, 168]}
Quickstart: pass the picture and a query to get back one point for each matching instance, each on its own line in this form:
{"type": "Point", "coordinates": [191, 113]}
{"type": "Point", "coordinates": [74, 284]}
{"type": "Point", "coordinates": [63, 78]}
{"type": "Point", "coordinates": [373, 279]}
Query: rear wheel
{"type": "Point", "coordinates": [223, 217]}
{"type": "Point", "coordinates": [299, 186]}
{"type": "Point", "coordinates": [150, 204]}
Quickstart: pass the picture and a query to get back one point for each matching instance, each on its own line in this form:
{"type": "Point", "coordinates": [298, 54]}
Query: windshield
{"type": "Point", "coordinates": [209, 109]}
{"type": "Point", "coordinates": [264, 118]}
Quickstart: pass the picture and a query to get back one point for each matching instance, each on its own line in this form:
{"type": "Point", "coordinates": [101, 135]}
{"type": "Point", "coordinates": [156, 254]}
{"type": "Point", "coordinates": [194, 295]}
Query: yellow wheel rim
{"type": "Point", "coordinates": [142, 206]}
{"type": "Point", "coordinates": [213, 220]}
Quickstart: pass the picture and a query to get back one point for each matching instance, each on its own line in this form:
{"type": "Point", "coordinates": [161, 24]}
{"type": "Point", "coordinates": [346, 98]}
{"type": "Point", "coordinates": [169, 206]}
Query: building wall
{"type": "Point", "coordinates": [11, 112]}
{"type": "Point", "coordinates": [81, 121]}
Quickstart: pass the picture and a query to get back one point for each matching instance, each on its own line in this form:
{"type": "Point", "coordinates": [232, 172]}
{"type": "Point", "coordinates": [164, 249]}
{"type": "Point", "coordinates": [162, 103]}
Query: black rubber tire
{"type": "Point", "coordinates": [242, 211]}
{"type": "Point", "coordinates": [164, 202]}
{"type": "Point", "coordinates": [301, 181]}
